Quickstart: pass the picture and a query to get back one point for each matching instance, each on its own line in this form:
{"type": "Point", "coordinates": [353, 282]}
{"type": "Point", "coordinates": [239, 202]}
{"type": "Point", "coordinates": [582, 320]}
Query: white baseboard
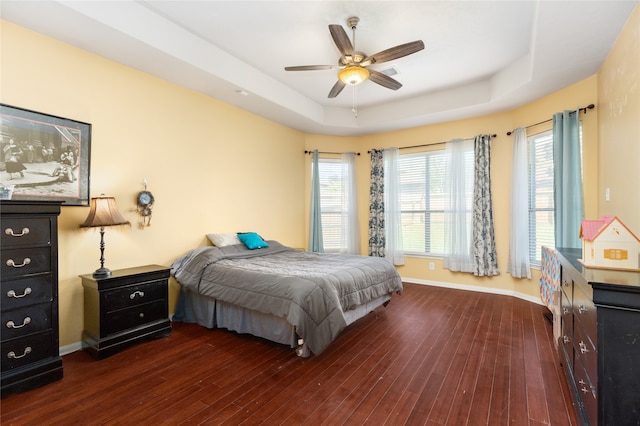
{"type": "Point", "coordinates": [467, 287]}
{"type": "Point", "coordinates": [65, 350]}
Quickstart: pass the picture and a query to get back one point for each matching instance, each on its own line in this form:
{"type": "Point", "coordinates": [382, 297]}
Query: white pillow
{"type": "Point", "coordinates": [221, 240]}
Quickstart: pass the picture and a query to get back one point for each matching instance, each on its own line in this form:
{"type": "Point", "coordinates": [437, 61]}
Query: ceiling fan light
{"type": "Point", "coordinates": [353, 75]}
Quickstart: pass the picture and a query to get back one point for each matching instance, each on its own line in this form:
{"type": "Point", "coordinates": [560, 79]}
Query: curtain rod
{"type": "Point", "coordinates": [432, 144]}
{"type": "Point", "coordinates": [326, 152]}
{"type": "Point", "coordinates": [583, 109]}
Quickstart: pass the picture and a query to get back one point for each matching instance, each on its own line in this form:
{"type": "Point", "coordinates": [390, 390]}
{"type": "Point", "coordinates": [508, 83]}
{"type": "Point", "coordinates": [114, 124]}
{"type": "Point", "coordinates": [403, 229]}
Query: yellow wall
{"type": "Point", "coordinates": [215, 168]}
{"type": "Point", "coordinates": [619, 93]}
{"type": "Point", "coordinates": [210, 166]}
{"type": "Point", "coordinates": [417, 269]}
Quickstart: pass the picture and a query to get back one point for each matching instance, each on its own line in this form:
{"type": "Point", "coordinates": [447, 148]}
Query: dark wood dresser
{"type": "Point", "coordinates": [600, 342]}
{"type": "Point", "coordinates": [129, 306]}
{"type": "Point", "coordinates": [29, 295]}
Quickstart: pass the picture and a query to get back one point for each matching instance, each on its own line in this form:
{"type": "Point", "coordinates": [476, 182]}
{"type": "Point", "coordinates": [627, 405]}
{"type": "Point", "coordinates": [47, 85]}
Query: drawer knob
{"type": "Point", "coordinates": [141, 314]}
{"type": "Point", "coordinates": [136, 293]}
{"type": "Point", "coordinates": [13, 264]}
{"type": "Point", "coordinates": [11, 324]}
{"type": "Point", "coordinates": [583, 348]}
{"type": "Point", "coordinates": [584, 390]}
{"type": "Point", "coordinates": [582, 309]}
{"type": "Point", "coordinates": [12, 293]}
{"type": "Point", "coordinates": [13, 355]}
{"type": "Point", "coordinates": [9, 231]}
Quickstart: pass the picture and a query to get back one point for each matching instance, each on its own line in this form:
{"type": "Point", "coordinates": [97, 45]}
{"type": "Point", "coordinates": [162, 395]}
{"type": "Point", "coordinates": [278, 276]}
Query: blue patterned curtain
{"type": "Point", "coordinates": [315, 222]}
{"type": "Point", "coordinates": [567, 175]}
{"type": "Point", "coordinates": [376, 205]}
{"type": "Point", "coordinates": [483, 250]}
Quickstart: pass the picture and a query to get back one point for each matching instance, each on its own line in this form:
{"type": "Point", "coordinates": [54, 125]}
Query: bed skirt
{"type": "Point", "coordinates": [211, 313]}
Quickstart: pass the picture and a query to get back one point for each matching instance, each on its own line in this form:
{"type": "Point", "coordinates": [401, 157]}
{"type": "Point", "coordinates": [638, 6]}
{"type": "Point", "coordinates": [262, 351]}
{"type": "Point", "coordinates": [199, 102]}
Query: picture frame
{"type": "Point", "coordinates": [44, 157]}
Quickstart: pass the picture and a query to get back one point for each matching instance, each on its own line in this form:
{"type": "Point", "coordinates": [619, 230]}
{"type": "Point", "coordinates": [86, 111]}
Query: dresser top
{"type": "Point", "coordinates": [601, 277]}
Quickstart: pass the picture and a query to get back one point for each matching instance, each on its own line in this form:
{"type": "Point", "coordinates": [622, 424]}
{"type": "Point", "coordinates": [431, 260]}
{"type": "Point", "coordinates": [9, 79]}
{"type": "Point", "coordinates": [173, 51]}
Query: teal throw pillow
{"type": "Point", "coordinates": [252, 240]}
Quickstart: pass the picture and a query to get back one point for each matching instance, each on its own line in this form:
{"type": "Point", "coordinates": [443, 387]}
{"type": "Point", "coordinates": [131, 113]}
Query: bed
{"type": "Point", "coordinates": [297, 298]}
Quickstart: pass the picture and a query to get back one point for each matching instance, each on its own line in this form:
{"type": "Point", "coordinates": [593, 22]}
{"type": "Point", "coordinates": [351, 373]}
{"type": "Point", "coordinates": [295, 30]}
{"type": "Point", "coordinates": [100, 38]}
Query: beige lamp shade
{"type": "Point", "coordinates": [104, 212]}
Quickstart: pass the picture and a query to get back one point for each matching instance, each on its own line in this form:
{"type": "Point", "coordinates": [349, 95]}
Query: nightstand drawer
{"type": "Point", "coordinates": [134, 295]}
{"type": "Point", "coordinates": [21, 262]}
{"type": "Point", "coordinates": [117, 321]}
{"type": "Point", "coordinates": [21, 322]}
{"type": "Point", "coordinates": [17, 231]}
{"type": "Point", "coordinates": [26, 350]}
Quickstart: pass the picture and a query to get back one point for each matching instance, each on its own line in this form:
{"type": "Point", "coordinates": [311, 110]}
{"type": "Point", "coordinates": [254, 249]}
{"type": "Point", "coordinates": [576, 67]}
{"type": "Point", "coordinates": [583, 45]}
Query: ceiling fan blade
{"type": "Point", "coordinates": [384, 80]}
{"type": "Point", "coordinates": [394, 53]}
{"type": "Point", "coordinates": [336, 89]}
{"type": "Point", "coordinates": [311, 67]}
{"type": "Point", "coordinates": [341, 39]}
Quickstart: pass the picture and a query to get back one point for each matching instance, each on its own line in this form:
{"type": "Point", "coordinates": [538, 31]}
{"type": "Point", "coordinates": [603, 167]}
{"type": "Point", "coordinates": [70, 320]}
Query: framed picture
{"type": "Point", "coordinates": [44, 157]}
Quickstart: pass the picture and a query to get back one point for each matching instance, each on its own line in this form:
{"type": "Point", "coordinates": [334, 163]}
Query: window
{"type": "Point", "coordinates": [334, 204]}
{"type": "Point", "coordinates": [541, 204]}
{"type": "Point", "coordinates": [423, 198]}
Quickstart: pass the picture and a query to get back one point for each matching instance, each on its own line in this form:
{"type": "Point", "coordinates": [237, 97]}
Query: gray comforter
{"type": "Point", "coordinates": [310, 290]}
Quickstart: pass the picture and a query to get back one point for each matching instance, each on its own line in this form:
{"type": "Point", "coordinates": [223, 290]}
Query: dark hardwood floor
{"type": "Point", "coordinates": [433, 356]}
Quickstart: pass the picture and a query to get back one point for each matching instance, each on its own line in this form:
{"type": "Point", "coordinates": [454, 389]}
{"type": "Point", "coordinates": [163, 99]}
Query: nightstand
{"type": "Point", "coordinates": [129, 306]}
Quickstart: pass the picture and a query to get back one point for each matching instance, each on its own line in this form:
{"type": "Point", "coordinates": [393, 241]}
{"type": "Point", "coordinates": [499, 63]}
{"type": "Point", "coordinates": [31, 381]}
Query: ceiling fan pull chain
{"type": "Point", "coordinates": [354, 109]}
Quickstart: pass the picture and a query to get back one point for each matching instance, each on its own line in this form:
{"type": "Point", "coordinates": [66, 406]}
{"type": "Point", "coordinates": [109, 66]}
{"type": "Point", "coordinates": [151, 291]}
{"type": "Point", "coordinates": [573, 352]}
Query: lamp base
{"type": "Point", "coordinates": [102, 273]}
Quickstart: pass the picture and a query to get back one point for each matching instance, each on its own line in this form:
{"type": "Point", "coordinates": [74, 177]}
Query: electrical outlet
{"type": "Point", "coordinates": [607, 194]}
{"type": "Point", "coordinates": [432, 266]}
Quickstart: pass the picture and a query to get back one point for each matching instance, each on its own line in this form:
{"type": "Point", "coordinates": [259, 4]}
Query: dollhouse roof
{"type": "Point", "coordinates": [591, 229]}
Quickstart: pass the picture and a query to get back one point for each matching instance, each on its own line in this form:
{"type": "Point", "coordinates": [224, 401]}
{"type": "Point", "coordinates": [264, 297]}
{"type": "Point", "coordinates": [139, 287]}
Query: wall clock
{"type": "Point", "coordinates": [145, 206]}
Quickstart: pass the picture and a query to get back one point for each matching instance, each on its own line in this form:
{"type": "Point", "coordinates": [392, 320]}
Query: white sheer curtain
{"type": "Point", "coordinates": [459, 193]}
{"type": "Point", "coordinates": [519, 265]}
{"type": "Point", "coordinates": [393, 246]}
{"type": "Point", "coordinates": [352, 231]}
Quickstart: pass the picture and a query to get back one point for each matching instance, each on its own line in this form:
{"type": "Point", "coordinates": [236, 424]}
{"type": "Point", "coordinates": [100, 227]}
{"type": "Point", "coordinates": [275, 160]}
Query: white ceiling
{"type": "Point", "coordinates": [480, 57]}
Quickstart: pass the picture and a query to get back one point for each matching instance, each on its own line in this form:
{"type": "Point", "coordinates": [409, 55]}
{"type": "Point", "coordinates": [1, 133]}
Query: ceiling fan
{"type": "Point", "coordinates": [354, 65]}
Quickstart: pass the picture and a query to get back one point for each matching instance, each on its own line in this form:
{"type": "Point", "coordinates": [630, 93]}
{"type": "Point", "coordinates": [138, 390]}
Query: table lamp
{"type": "Point", "coordinates": [103, 213]}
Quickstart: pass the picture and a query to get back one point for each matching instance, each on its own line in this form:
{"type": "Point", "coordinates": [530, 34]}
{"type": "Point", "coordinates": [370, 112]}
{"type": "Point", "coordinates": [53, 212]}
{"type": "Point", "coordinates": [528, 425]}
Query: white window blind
{"type": "Point", "coordinates": [334, 204]}
{"type": "Point", "coordinates": [541, 204]}
{"type": "Point", "coordinates": [423, 200]}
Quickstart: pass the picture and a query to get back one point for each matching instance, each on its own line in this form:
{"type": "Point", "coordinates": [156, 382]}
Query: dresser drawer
{"type": "Point", "coordinates": [585, 311]}
{"type": "Point", "coordinates": [28, 261]}
{"type": "Point", "coordinates": [17, 231]}
{"type": "Point", "coordinates": [585, 350]}
{"type": "Point", "coordinates": [133, 317]}
{"type": "Point", "coordinates": [28, 349]}
{"type": "Point", "coordinates": [588, 392]}
{"type": "Point", "coordinates": [22, 292]}
{"type": "Point", "coordinates": [134, 295]}
{"type": "Point", "coordinates": [20, 322]}
{"type": "Point", "coordinates": [566, 312]}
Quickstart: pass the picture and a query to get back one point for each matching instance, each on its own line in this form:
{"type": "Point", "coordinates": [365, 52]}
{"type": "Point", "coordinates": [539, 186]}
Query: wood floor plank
{"type": "Point", "coordinates": [433, 356]}
{"type": "Point", "coordinates": [448, 344]}
{"type": "Point", "coordinates": [500, 391]}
